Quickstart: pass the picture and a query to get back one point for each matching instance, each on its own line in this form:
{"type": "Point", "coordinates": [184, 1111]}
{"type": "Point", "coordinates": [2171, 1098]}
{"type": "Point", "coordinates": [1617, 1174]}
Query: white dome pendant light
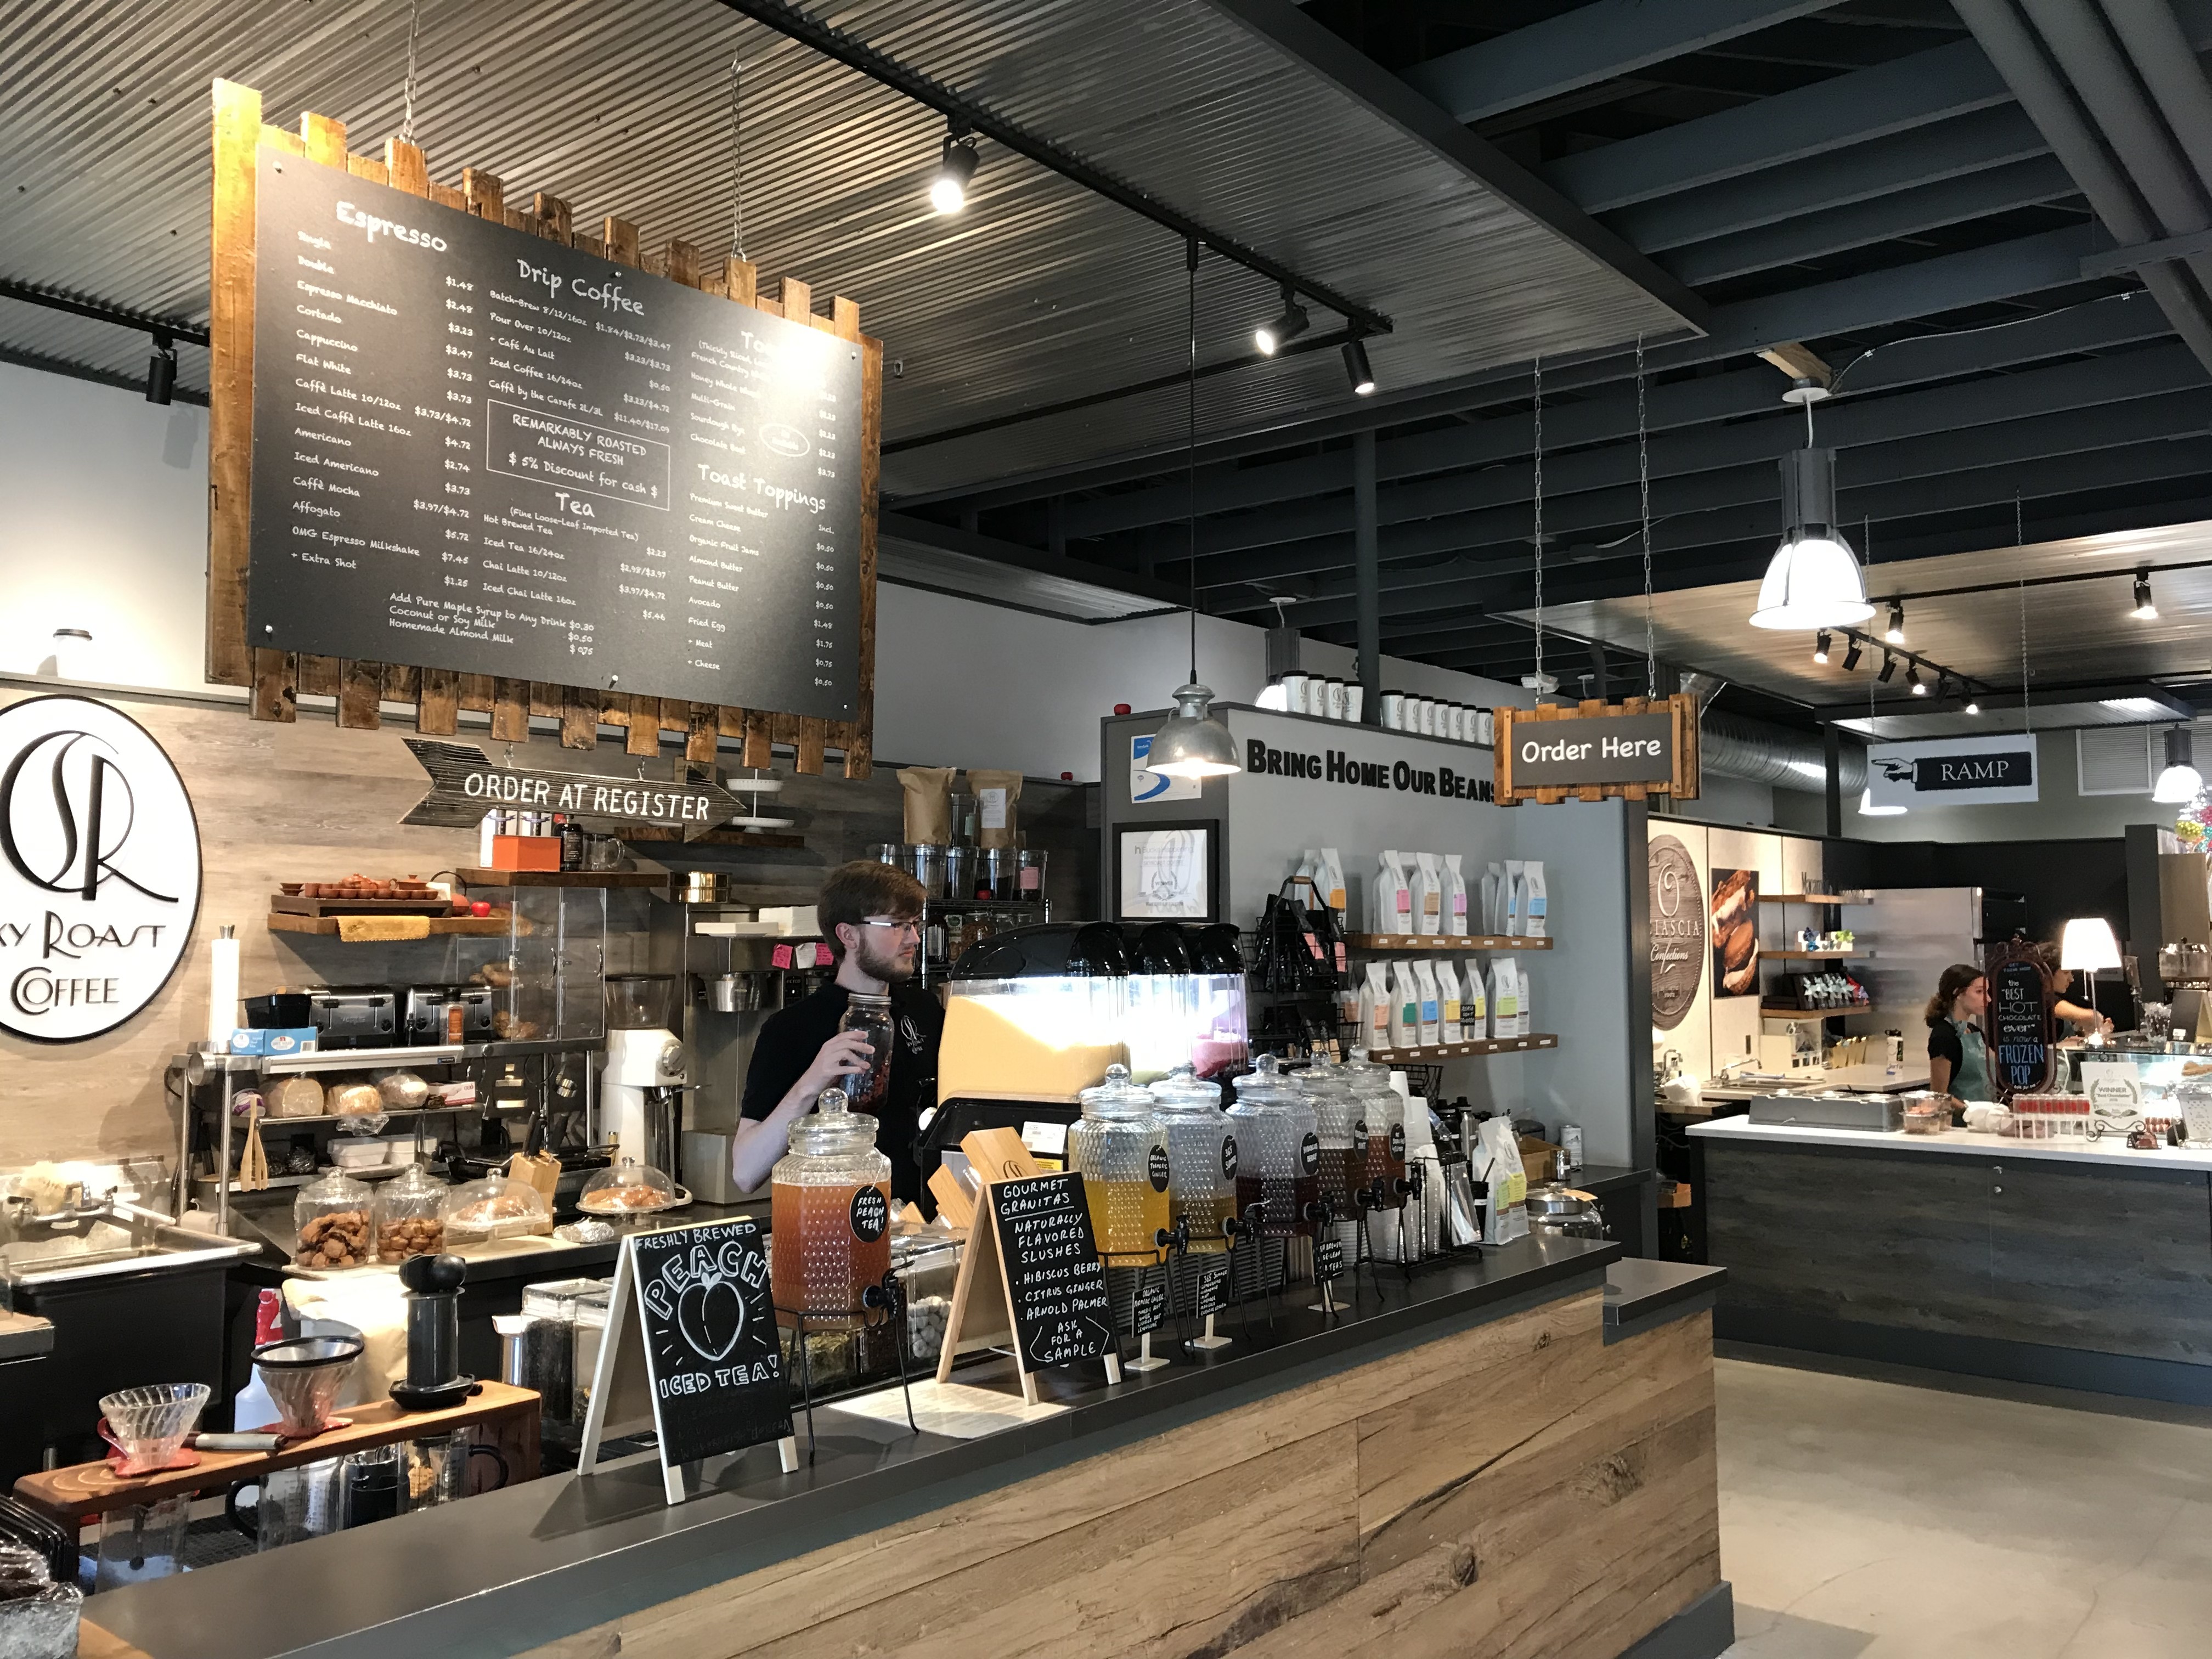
{"type": "Point", "coordinates": [1813, 580]}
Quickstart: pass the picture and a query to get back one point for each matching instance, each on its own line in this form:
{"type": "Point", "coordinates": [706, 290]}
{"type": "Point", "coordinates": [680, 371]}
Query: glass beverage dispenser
{"type": "Point", "coordinates": [1201, 1159]}
{"type": "Point", "coordinates": [1120, 1150]}
{"type": "Point", "coordinates": [830, 1212]}
{"type": "Point", "coordinates": [1278, 1150]}
{"type": "Point", "coordinates": [1345, 1163]}
{"type": "Point", "coordinates": [1384, 1109]}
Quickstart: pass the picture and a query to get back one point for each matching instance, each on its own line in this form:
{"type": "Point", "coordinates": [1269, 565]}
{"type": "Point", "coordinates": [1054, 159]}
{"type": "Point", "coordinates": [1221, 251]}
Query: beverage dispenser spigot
{"type": "Point", "coordinates": [435, 1379]}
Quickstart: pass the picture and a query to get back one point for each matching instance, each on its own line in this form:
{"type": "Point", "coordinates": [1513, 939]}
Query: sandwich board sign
{"type": "Point", "coordinates": [690, 1351]}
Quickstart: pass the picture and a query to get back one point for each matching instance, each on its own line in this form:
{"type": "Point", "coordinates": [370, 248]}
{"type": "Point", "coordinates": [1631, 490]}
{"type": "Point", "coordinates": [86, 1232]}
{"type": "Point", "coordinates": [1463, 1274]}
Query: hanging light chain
{"type": "Point", "coordinates": [407, 118]}
{"type": "Point", "coordinates": [1190, 385]}
{"type": "Point", "coordinates": [736, 156]}
{"type": "Point", "coordinates": [1644, 510]}
{"type": "Point", "coordinates": [2020, 541]}
{"type": "Point", "coordinates": [1539, 525]}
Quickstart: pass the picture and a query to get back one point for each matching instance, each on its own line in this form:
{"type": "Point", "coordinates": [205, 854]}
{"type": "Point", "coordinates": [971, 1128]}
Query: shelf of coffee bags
{"type": "Point", "coordinates": [1430, 1054]}
{"type": "Point", "coordinates": [1434, 942]}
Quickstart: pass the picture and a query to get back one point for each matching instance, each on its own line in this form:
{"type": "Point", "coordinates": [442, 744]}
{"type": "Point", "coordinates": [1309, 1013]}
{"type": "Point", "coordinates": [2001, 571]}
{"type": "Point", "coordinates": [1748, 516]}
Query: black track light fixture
{"type": "Point", "coordinates": [1853, 653]}
{"type": "Point", "coordinates": [1895, 632]}
{"type": "Point", "coordinates": [2146, 609]}
{"type": "Point", "coordinates": [1820, 646]}
{"type": "Point", "coordinates": [1270, 337]}
{"type": "Point", "coordinates": [1356, 368]}
{"type": "Point", "coordinates": [1974, 704]}
{"type": "Point", "coordinates": [1888, 668]}
{"type": "Point", "coordinates": [1913, 683]}
{"type": "Point", "coordinates": [161, 371]}
{"type": "Point", "coordinates": [955, 170]}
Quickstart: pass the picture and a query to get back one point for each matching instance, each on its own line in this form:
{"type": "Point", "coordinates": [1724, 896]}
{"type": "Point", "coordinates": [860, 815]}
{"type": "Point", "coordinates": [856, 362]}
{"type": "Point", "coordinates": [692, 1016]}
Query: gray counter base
{"type": "Point", "coordinates": [1703, 1630]}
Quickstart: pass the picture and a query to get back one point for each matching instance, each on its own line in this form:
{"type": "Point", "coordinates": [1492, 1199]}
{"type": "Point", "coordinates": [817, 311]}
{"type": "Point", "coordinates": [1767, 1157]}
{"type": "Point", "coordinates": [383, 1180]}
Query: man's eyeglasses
{"type": "Point", "coordinates": [894, 924]}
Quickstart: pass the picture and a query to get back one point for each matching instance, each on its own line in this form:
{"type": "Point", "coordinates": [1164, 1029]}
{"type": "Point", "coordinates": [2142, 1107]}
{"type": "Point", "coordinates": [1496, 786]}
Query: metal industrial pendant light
{"type": "Point", "coordinates": [1192, 743]}
{"type": "Point", "coordinates": [1814, 579]}
{"type": "Point", "coordinates": [2180, 782]}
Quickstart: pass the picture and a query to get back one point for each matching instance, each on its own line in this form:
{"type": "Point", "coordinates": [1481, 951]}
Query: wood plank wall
{"type": "Point", "coordinates": [304, 800]}
{"type": "Point", "coordinates": [1517, 1488]}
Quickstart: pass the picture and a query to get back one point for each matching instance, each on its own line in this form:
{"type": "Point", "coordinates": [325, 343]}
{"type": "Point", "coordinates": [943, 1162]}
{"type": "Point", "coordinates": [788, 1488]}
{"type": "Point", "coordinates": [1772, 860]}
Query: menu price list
{"type": "Point", "coordinates": [1055, 1281]}
{"type": "Point", "coordinates": [479, 450]}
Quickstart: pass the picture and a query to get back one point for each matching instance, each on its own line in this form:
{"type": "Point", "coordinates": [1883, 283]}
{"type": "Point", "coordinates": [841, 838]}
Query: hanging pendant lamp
{"type": "Point", "coordinates": [1813, 580]}
{"type": "Point", "coordinates": [1192, 743]}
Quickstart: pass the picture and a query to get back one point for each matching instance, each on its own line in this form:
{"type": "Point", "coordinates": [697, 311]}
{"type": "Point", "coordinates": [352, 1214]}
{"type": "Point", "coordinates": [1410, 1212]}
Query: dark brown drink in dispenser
{"type": "Point", "coordinates": [824, 1259]}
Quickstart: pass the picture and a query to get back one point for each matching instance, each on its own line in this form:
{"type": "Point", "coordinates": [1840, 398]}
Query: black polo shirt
{"type": "Point", "coordinates": [791, 1038]}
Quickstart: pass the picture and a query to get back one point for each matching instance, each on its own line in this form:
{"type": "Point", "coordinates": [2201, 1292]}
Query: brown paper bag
{"type": "Point", "coordinates": [928, 792]}
{"type": "Point", "coordinates": [995, 794]}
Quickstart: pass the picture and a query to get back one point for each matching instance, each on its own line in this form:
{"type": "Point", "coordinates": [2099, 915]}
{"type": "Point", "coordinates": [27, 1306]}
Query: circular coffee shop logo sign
{"type": "Point", "coordinates": [1678, 930]}
{"type": "Point", "coordinates": [99, 868]}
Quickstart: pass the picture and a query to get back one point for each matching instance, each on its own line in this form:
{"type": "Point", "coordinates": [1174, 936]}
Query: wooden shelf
{"type": "Point", "coordinates": [662, 835]}
{"type": "Point", "coordinates": [1461, 1050]}
{"type": "Point", "coordinates": [284, 921]}
{"type": "Point", "coordinates": [1803, 898]}
{"type": "Point", "coordinates": [1772, 1011]}
{"type": "Point", "coordinates": [480, 877]}
{"type": "Point", "coordinates": [1813, 955]}
{"type": "Point", "coordinates": [1444, 942]}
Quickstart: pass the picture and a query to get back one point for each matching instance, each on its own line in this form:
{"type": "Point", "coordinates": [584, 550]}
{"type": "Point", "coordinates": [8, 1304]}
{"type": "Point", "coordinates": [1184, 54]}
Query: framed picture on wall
{"type": "Point", "coordinates": [1168, 871]}
{"type": "Point", "coordinates": [1736, 932]}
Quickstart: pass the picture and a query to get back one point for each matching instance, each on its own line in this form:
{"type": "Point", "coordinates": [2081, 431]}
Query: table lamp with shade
{"type": "Point", "coordinates": [2088, 942]}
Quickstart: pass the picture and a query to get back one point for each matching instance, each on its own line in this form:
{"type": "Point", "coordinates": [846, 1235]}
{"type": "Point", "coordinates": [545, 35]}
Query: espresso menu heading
{"type": "Point", "coordinates": [479, 450]}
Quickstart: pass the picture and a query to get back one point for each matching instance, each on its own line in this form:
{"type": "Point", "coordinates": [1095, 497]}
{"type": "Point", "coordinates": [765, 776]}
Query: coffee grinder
{"type": "Point", "coordinates": [646, 1069]}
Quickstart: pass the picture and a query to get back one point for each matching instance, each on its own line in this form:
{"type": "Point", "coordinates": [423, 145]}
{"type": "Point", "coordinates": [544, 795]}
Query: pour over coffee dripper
{"type": "Point", "coordinates": [150, 1425]}
{"type": "Point", "coordinates": [304, 1375]}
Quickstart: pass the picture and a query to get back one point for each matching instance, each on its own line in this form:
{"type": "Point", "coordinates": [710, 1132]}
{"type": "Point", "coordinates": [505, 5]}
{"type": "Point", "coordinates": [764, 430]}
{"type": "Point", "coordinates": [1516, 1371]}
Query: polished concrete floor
{"type": "Point", "coordinates": [1874, 1519]}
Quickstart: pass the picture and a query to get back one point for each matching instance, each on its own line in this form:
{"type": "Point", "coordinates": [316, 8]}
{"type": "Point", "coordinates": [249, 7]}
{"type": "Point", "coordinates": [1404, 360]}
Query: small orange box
{"type": "Point", "coordinates": [525, 852]}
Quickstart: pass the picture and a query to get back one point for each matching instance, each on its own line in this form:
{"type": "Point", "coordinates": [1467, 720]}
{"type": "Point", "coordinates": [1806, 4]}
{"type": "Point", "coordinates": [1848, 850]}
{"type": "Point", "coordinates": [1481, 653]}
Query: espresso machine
{"type": "Point", "coordinates": [641, 1092]}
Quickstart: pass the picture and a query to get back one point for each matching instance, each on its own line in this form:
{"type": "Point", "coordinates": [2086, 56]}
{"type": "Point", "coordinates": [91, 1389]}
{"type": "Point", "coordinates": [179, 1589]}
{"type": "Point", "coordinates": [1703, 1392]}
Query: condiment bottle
{"type": "Point", "coordinates": [829, 1211]}
{"type": "Point", "coordinates": [1277, 1151]}
{"type": "Point", "coordinates": [1121, 1149]}
{"type": "Point", "coordinates": [1201, 1159]}
{"type": "Point", "coordinates": [1384, 1111]}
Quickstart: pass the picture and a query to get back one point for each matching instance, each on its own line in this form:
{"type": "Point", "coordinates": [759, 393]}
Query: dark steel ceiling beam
{"type": "Point", "coordinates": [144, 322]}
{"type": "Point", "coordinates": [1809, 120]}
{"type": "Point", "coordinates": [1968, 143]}
{"type": "Point", "coordinates": [1910, 212]}
{"type": "Point", "coordinates": [880, 67]}
{"type": "Point", "coordinates": [1582, 47]}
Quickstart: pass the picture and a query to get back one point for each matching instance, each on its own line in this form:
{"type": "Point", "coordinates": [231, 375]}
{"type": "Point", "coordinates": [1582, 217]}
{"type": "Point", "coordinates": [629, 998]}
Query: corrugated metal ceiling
{"type": "Point", "coordinates": [1039, 293]}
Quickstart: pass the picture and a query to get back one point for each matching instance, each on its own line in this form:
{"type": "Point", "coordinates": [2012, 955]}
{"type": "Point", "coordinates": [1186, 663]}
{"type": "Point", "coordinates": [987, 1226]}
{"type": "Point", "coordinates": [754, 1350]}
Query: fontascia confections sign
{"type": "Point", "coordinates": [99, 868]}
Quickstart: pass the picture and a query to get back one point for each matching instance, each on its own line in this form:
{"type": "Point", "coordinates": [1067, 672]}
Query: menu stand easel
{"type": "Point", "coordinates": [984, 1313]}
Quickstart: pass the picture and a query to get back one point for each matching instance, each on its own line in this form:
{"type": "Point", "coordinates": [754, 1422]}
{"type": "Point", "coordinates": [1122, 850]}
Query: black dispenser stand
{"type": "Point", "coordinates": [888, 1299]}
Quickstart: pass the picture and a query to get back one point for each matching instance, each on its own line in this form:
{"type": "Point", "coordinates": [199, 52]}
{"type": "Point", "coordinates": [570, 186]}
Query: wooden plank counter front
{"type": "Point", "coordinates": [1462, 1465]}
{"type": "Point", "coordinates": [1515, 1487]}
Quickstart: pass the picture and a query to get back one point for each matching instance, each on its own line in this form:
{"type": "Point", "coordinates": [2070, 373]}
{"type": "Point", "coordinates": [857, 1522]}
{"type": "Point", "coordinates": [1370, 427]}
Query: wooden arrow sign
{"type": "Point", "coordinates": [465, 784]}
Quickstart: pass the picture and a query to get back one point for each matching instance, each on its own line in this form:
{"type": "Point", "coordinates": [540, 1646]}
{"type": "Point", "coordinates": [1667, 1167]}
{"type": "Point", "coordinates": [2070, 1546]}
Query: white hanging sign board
{"type": "Point", "coordinates": [1952, 772]}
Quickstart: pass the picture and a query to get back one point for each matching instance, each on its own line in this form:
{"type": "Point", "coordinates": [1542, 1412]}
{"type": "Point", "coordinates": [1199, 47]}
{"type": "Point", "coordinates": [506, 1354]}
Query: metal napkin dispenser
{"type": "Point", "coordinates": [1870, 1114]}
{"type": "Point", "coordinates": [428, 1019]}
{"type": "Point", "coordinates": [360, 1016]}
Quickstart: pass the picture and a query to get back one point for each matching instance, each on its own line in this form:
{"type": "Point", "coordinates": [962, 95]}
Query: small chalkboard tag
{"type": "Point", "coordinates": [1328, 1259]}
{"type": "Point", "coordinates": [1229, 1158]}
{"type": "Point", "coordinates": [1398, 1142]}
{"type": "Point", "coordinates": [1149, 1311]}
{"type": "Point", "coordinates": [1031, 1252]}
{"type": "Point", "coordinates": [1155, 1166]}
{"type": "Point", "coordinates": [1211, 1294]}
{"type": "Point", "coordinates": [1309, 1154]}
{"type": "Point", "coordinates": [705, 1342]}
{"type": "Point", "coordinates": [871, 1214]}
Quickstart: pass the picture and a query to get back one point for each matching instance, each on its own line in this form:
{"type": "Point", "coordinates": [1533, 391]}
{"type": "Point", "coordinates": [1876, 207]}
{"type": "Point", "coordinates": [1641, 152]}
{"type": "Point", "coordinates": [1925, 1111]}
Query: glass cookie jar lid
{"type": "Point", "coordinates": [1117, 1097]}
{"type": "Point", "coordinates": [832, 1127]}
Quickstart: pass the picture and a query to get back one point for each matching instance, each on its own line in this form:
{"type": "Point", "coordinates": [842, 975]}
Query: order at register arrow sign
{"type": "Point", "coordinates": [465, 784]}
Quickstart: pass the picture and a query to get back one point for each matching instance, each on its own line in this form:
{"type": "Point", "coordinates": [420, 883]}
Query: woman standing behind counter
{"type": "Point", "coordinates": [1958, 1057]}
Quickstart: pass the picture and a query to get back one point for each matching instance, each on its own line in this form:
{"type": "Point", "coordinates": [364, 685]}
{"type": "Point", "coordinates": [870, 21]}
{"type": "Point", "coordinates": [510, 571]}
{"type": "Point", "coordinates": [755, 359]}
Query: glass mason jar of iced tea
{"type": "Point", "coordinates": [830, 1212]}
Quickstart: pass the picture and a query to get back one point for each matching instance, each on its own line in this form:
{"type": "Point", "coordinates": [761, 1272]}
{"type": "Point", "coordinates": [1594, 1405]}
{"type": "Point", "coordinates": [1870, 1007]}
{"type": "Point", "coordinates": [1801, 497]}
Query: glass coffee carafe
{"type": "Point", "coordinates": [1277, 1151]}
{"type": "Point", "coordinates": [1384, 1109]}
{"type": "Point", "coordinates": [830, 1213]}
{"type": "Point", "coordinates": [1121, 1149]}
{"type": "Point", "coordinates": [1201, 1157]}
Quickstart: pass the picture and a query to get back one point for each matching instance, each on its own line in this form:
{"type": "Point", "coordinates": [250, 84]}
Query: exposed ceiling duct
{"type": "Point", "coordinates": [1731, 747]}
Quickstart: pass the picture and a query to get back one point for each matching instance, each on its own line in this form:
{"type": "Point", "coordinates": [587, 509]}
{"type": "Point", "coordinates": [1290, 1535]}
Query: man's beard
{"type": "Point", "coordinates": [881, 963]}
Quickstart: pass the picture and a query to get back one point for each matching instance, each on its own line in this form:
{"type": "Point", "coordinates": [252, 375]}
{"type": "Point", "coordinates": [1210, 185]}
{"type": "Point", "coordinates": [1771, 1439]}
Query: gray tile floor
{"type": "Point", "coordinates": [1864, 1517]}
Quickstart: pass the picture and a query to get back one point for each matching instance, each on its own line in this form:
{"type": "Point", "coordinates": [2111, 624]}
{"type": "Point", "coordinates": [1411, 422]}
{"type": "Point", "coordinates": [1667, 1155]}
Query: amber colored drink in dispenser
{"type": "Point", "coordinates": [1344, 1175]}
{"type": "Point", "coordinates": [1386, 1162]}
{"type": "Point", "coordinates": [1287, 1198]}
{"type": "Point", "coordinates": [1206, 1216]}
{"type": "Point", "coordinates": [820, 1263]}
{"type": "Point", "coordinates": [1126, 1219]}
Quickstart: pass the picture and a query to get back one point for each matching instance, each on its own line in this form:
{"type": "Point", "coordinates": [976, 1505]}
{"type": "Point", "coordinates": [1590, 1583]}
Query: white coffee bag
{"type": "Point", "coordinates": [1536, 903]}
{"type": "Point", "coordinates": [1425, 978]}
{"type": "Point", "coordinates": [1455, 897]}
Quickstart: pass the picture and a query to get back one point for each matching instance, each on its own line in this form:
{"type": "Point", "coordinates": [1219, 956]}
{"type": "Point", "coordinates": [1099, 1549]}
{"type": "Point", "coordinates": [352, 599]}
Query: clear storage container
{"type": "Point", "coordinates": [495, 1207]}
{"type": "Point", "coordinates": [830, 1212]}
{"type": "Point", "coordinates": [1384, 1111]}
{"type": "Point", "coordinates": [409, 1216]}
{"type": "Point", "coordinates": [1277, 1151]}
{"type": "Point", "coordinates": [872, 1017]}
{"type": "Point", "coordinates": [332, 1217]}
{"type": "Point", "coordinates": [1121, 1149]}
{"type": "Point", "coordinates": [1201, 1157]}
{"type": "Point", "coordinates": [626, 1188]}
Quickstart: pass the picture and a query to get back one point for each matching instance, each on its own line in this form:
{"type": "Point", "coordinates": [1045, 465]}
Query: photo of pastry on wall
{"type": "Point", "coordinates": [1736, 932]}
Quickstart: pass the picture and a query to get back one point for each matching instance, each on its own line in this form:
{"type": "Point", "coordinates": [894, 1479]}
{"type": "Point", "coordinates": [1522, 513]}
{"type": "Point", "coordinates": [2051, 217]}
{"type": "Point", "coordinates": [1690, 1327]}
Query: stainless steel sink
{"type": "Point", "coordinates": [99, 1241]}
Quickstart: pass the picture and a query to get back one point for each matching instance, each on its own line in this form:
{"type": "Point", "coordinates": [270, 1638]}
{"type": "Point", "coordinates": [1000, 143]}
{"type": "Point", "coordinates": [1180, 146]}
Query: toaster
{"type": "Point", "coordinates": [353, 1016]}
{"type": "Point", "coordinates": [426, 1017]}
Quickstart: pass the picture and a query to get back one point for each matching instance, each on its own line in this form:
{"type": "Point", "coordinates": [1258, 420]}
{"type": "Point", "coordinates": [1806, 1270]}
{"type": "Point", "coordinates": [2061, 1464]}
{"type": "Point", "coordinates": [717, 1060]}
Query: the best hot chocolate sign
{"type": "Point", "coordinates": [99, 868]}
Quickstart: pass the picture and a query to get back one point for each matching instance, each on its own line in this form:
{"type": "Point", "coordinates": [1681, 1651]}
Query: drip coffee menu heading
{"type": "Point", "coordinates": [478, 450]}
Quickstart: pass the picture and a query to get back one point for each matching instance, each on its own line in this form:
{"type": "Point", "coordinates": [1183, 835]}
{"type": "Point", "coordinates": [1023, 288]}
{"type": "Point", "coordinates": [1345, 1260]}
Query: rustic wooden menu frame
{"type": "Point", "coordinates": [1682, 786]}
{"type": "Point", "coordinates": [278, 677]}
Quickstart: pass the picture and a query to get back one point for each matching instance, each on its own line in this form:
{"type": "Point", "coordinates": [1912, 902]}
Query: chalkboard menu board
{"type": "Point", "coordinates": [2020, 1020]}
{"type": "Point", "coordinates": [1212, 1294]}
{"type": "Point", "coordinates": [1055, 1280]}
{"type": "Point", "coordinates": [479, 450]}
{"type": "Point", "coordinates": [711, 1351]}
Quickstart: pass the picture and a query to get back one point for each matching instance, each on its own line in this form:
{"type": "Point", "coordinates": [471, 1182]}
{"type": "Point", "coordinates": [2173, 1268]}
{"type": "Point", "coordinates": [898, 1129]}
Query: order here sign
{"type": "Point", "coordinates": [1597, 748]}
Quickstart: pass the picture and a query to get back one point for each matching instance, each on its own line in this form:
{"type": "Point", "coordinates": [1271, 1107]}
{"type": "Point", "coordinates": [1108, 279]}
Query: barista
{"type": "Point", "coordinates": [1958, 1057]}
{"type": "Point", "coordinates": [871, 917]}
{"type": "Point", "coordinates": [2057, 982]}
